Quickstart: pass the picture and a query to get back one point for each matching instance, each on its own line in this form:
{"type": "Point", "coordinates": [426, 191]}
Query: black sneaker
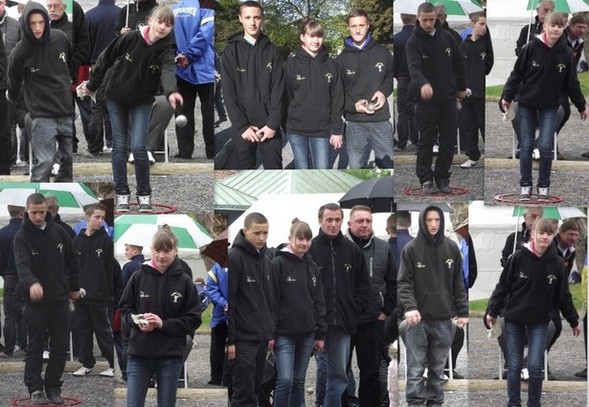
{"type": "Point", "coordinates": [525, 194]}
{"type": "Point", "coordinates": [428, 188]}
{"type": "Point", "coordinates": [444, 186]}
{"type": "Point", "coordinates": [54, 396]}
{"type": "Point", "coordinates": [39, 399]}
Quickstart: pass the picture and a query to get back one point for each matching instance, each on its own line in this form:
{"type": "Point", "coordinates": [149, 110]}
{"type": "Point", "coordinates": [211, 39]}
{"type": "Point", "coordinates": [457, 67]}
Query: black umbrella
{"type": "Point", "coordinates": [375, 193]}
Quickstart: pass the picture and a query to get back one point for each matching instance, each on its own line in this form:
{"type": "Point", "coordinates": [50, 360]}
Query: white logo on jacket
{"type": "Point", "coordinates": [250, 279]}
{"type": "Point", "coordinates": [449, 51]}
{"type": "Point", "coordinates": [379, 66]}
{"type": "Point", "coordinates": [420, 265]}
{"type": "Point", "coordinates": [328, 75]}
{"type": "Point", "coordinates": [60, 247]}
{"type": "Point", "coordinates": [176, 295]}
{"type": "Point", "coordinates": [62, 57]}
{"type": "Point", "coordinates": [449, 262]}
{"type": "Point", "coordinates": [300, 78]}
{"type": "Point", "coordinates": [290, 279]}
{"type": "Point", "coordinates": [98, 252]}
{"type": "Point", "coordinates": [143, 294]}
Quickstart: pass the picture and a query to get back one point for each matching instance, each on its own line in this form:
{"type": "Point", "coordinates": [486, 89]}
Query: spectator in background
{"type": "Point", "coordinates": [529, 31]}
{"type": "Point", "coordinates": [515, 240]}
{"type": "Point", "coordinates": [217, 289]}
{"type": "Point", "coordinates": [53, 209]}
{"type": "Point", "coordinates": [5, 119]}
{"type": "Point", "coordinates": [134, 254]}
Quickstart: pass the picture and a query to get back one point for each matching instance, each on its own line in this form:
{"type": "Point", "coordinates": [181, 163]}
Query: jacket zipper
{"type": "Point", "coordinates": [334, 281]}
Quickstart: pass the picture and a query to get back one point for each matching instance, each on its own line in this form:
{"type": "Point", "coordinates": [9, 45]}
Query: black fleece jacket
{"type": "Point", "coordinates": [542, 74]}
{"type": "Point", "coordinates": [530, 286]}
{"type": "Point", "coordinates": [435, 59]}
{"type": "Point", "coordinates": [96, 258]}
{"type": "Point", "coordinates": [45, 66]}
{"type": "Point", "coordinates": [344, 277]}
{"type": "Point", "coordinates": [253, 83]}
{"type": "Point", "coordinates": [430, 275]}
{"type": "Point", "coordinates": [172, 296]}
{"type": "Point", "coordinates": [478, 60]}
{"type": "Point", "coordinates": [365, 71]}
{"type": "Point", "coordinates": [298, 295]}
{"type": "Point", "coordinates": [46, 256]}
{"type": "Point", "coordinates": [315, 95]}
{"type": "Point", "coordinates": [138, 14]}
{"type": "Point", "coordinates": [250, 314]}
{"type": "Point", "coordinates": [137, 69]}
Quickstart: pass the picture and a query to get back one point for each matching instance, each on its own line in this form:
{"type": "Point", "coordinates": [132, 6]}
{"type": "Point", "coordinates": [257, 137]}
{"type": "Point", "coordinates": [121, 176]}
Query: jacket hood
{"type": "Point", "coordinates": [349, 43]}
{"type": "Point", "coordinates": [559, 44]}
{"type": "Point", "coordinates": [419, 30]}
{"type": "Point", "coordinates": [322, 55]}
{"type": "Point", "coordinates": [550, 252]}
{"type": "Point", "coordinates": [282, 250]}
{"type": "Point", "coordinates": [423, 233]}
{"type": "Point", "coordinates": [31, 226]}
{"type": "Point", "coordinates": [261, 42]}
{"type": "Point", "coordinates": [174, 269]}
{"type": "Point", "coordinates": [96, 234]}
{"type": "Point", "coordinates": [34, 8]}
{"type": "Point", "coordinates": [241, 242]}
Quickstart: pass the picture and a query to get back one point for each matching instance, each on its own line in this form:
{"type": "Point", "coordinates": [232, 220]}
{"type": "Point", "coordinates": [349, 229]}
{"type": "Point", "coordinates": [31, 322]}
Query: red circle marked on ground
{"type": "Point", "coordinates": [26, 402]}
{"type": "Point", "coordinates": [417, 192]}
{"type": "Point", "coordinates": [514, 200]}
{"type": "Point", "coordinates": [158, 209]}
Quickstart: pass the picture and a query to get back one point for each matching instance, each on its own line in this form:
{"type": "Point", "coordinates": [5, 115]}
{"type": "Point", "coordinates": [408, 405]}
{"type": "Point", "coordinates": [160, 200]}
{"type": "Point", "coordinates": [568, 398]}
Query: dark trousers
{"type": "Point", "coordinates": [100, 127]}
{"type": "Point", "coordinates": [472, 120]}
{"type": "Point", "coordinates": [5, 142]}
{"type": "Point", "coordinates": [368, 341]}
{"type": "Point", "coordinates": [85, 113]}
{"type": "Point", "coordinates": [219, 105]}
{"type": "Point", "coordinates": [90, 320]}
{"type": "Point", "coordinates": [456, 347]}
{"type": "Point", "coordinates": [185, 135]}
{"type": "Point", "coordinates": [14, 327]}
{"type": "Point", "coordinates": [247, 371]}
{"type": "Point", "coordinates": [406, 126]}
{"type": "Point", "coordinates": [434, 118]}
{"type": "Point", "coordinates": [43, 321]}
{"type": "Point", "coordinates": [270, 152]}
{"type": "Point", "coordinates": [217, 354]}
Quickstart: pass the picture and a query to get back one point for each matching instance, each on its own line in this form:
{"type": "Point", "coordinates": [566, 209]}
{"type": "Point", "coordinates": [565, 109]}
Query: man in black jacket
{"type": "Point", "coordinates": [47, 268]}
{"type": "Point", "coordinates": [346, 288]}
{"type": "Point", "coordinates": [250, 314]}
{"type": "Point", "coordinates": [253, 87]}
{"type": "Point", "coordinates": [369, 337]}
{"type": "Point", "coordinates": [515, 242]}
{"type": "Point", "coordinates": [437, 78]}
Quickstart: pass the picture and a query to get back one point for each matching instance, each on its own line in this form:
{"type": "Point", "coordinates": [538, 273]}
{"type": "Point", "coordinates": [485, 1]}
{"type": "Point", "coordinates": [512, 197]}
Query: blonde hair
{"type": "Point", "coordinates": [164, 239]}
{"type": "Point", "coordinates": [163, 13]}
{"type": "Point", "coordinates": [300, 230]}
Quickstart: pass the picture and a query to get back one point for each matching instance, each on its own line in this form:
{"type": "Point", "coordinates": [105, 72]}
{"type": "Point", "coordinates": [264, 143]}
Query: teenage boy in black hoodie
{"type": "Point", "coordinates": [250, 314]}
{"type": "Point", "coordinates": [367, 68]}
{"type": "Point", "coordinates": [95, 250]}
{"type": "Point", "coordinates": [41, 65]}
{"type": "Point", "coordinates": [436, 68]}
{"type": "Point", "coordinates": [253, 88]}
{"type": "Point", "coordinates": [430, 292]}
{"type": "Point", "coordinates": [477, 51]}
{"type": "Point", "coordinates": [47, 268]}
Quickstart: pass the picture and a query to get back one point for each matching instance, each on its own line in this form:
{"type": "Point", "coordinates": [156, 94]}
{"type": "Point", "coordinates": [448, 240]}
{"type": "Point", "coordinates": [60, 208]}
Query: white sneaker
{"type": "Point", "coordinates": [436, 149]}
{"type": "Point", "coordinates": [55, 169]}
{"type": "Point", "coordinates": [107, 149]}
{"type": "Point", "coordinates": [525, 375]}
{"type": "Point", "coordinates": [131, 159]}
{"type": "Point", "coordinates": [46, 355]}
{"type": "Point", "coordinates": [83, 371]}
{"type": "Point", "coordinates": [536, 154]}
{"type": "Point", "coordinates": [150, 158]}
{"type": "Point", "coordinates": [108, 373]}
{"type": "Point", "coordinates": [468, 164]}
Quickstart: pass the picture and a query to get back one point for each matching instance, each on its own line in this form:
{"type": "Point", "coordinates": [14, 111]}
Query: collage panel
{"type": "Point", "coordinates": [544, 141]}
{"type": "Point", "coordinates": [442, 53]}
{"type": "Point", "coordinates": [532, 265]}
{"type": "Point", "coordinates": [57, 268]}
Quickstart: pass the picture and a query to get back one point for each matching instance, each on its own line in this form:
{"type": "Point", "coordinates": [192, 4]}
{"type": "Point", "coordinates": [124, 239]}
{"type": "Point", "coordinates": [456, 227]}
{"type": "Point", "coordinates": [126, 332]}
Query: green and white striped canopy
{"type": "Point", "coordinates": [563, 6]}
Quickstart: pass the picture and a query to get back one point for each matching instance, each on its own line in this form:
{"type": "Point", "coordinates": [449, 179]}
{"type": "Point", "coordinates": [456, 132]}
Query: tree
{"type": "Point", "coordinates": [381, 16]}
{"type": "Point", "coordinates": [226, 22]}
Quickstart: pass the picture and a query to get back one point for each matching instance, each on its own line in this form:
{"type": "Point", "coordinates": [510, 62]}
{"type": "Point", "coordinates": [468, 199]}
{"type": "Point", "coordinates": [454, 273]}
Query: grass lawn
{"type": "Point", "coordinates": [478, 307]}
{"type": "Point", "coordinates": [494, 92]}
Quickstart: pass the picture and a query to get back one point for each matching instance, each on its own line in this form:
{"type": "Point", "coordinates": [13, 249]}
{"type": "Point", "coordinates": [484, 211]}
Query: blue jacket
{"type": "Point", "coordinates": [194, 28]}
{"type": "Point", "coordinates": [217, 289]}
{"type": "Point", "coordinates": [131, 267]}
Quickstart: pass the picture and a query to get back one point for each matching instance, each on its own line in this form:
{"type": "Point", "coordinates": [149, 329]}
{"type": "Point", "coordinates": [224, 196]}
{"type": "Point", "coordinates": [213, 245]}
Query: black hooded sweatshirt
{"type": "Point", "coordinates": [530, 286]}
{"type": "Point", "coordinates": [250, 314]}
{"type": "Point", "coordinates": [253, 83]}
{"type": "Point", "coordinates": [365, 70]}
{"type": "Point", "coordinates": [298, 295]}
{"type": "Point", "coordinates": [478, 59]}
{"type": "Point", "coordinates": [172, 296]}
{"type": "Point", "coordinates": [315, 94]}
{"type": "Point", "coordinates": [45, 66]}
{"type": "Point", "coordinates": [46, 256]}
{"type": "Point", "coordinates": [344, 277]}
{"type": "Point", "coordinates": [435, 59]}
{"type": "Point", "coordinates": [542, 74]}
{"type": "Point", "coordinates": [137, 68]}
{"type": "Point", "coordinates": [96, 258]}
{"type": "Point", "coordinates": [430, 274]}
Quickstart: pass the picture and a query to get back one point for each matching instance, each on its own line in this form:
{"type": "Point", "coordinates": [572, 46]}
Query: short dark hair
{"type": "Point", "coordinates": [332, 207]}
{"type": "Point", "coordinates": [36, 199]}
{"type": "Point", "coordinates": [403, 219]}
{"type": "Point", "coordinates": [577, 18]}
{"type": "Point", "coordinates": [357, 208]}
{"type": "Point", "coordinates": [254, 218]}
{"type": "Point", "coordinates": [392, 223]}
{"type": "Point", "coordinates": [14, 210]}
{"type": "Point", "coordinates": [251, 3]}
{"type": "Point", "coordinates": [567, 225]}
{"type": "Point", "coordinates": [407, 18]}
{"type": "Point", "coordinates": [474, 17]}
{"type": "Point", "coordinates": [426, 8]}
{"type": "Point", "coordinates": [357, 12]}
{"type": "Point", "coordinates": [89, 209]}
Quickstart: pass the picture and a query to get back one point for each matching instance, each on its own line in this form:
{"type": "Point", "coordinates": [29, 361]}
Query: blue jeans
{"type": "Point", "coordinates": [335, 357]}
{"type": "Point", "coordinates": [130, 124]}
{"type": "Point", "coordinates": [546, 119]}
{"type": "Point", "coordinates": [317, 147]}
{"type": "Point", "coordinates": [361, 137]}
{"type": "Point", "coordinates": [427, 344]}
{"type": "Point", "coordinates": [167, 374]}
{"type": "Point", "coordinates": [516, 334]}
{"type": "Point", "coordinates": [292, 358]}
{"type": "Point", "coordinates": [45, 132]}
